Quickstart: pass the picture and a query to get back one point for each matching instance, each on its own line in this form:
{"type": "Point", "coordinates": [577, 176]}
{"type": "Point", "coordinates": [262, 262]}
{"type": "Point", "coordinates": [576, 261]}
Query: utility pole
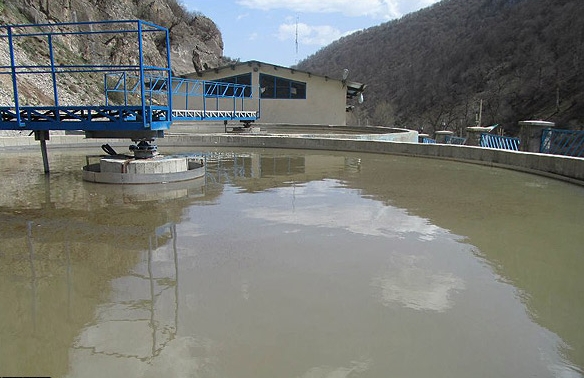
{"type": "Point", "coordinates": [480, 115]}
{"type": "Point", "coordinates": [296, 39]}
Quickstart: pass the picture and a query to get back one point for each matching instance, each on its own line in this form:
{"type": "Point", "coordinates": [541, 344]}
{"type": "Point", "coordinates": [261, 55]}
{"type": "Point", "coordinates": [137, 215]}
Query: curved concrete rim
{"type": "Point", "coordinates": [565, 168]}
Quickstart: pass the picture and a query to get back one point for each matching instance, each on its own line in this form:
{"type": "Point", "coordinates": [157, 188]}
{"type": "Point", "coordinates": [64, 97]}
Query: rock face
{"type": "Point", "coordinates": [195, 44]}
{"type": "Point", "coordinates": [195, 40]}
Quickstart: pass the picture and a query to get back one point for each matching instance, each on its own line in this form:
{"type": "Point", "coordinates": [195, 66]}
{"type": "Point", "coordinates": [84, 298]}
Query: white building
{"type": "Point", "coordinates": [288, 96]}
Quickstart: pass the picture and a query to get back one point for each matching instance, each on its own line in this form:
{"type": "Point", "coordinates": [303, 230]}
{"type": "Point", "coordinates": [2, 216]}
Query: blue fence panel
{"type": "Point", "coordinates": [449, 139]}
{"type": "Point", "coordinates": [428, 141]}
{"type": "Point", "coordinates": [562, 142]}
{"type": "Point", "coordinates": [500, 142]}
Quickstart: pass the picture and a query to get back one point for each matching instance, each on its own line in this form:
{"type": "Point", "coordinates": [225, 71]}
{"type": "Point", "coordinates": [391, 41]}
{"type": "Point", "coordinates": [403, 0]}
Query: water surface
{"type": "Point", "coordinates": [291, 264]}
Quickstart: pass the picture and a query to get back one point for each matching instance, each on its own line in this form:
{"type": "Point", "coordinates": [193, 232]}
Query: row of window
{"type": "Point", "coordinates": [244, 79]}
{"type": "Point", "coordinates": [270, 87]}
{"type": "Point", "coordinates": [278, 87]}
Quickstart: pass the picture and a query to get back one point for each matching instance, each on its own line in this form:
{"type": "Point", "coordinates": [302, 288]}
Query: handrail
{"type": "Point", "coordinates": [205, 88]}
{"type": "Point", "coordinates": [562, 142]}
{"type": "Point", "coordinates": [450, 139]}
{"type": "Point", "coordinates": [500, 142]}
{"type": "Point", "coordinates": [128, 84]}
{"type": "Point", "coordinates": [49, 30]}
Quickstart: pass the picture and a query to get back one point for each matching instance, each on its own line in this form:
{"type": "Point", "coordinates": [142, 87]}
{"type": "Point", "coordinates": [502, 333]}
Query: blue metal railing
{"type": "Point", "coordinates": [499, 142]}
{"type": "Point", "coordinates": [562, 142]}
{"type": "Point", "coordinates": [180, 86]}
{"type": "Point", "coordinates": [449, 139]}
{"type": "Point", "coordinates": [138, 116]}
{"type": "Point", "coordinates": [242, 96]}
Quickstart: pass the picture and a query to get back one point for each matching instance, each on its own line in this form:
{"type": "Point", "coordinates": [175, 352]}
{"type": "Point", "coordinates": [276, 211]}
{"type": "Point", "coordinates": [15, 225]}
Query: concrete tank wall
{"type": "Point", "coordinates": [560, 167]}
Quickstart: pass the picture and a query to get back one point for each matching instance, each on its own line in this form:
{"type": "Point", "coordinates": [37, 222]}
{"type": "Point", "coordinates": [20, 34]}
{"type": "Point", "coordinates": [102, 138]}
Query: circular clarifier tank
{"type": "Point", "coordinates": [158, 169]}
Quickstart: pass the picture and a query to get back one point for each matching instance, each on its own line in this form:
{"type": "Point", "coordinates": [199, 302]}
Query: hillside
{"type": "Point", "coordinates": [430, 69]}
{"type": "Point", "coordinates": [195, 41]}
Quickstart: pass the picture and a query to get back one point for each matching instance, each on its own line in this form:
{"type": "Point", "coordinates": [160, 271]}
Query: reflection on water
{"type": "Point", "coordinates": [333, 207]}
{"type": "Point", "coordinates": [140, 313]}
{"type": "Point", "coordinates": [417, 288]}
{"type": "Point", "coordinates": [285, 263]}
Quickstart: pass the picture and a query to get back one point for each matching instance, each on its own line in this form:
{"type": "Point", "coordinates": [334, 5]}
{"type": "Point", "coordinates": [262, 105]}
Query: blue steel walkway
{"type": "Point", "coordinates": [137, 97]}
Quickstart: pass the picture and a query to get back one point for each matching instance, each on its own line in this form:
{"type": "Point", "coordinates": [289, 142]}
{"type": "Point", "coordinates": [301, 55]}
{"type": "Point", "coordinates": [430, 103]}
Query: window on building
{"type": "Point", "coordinates": [297, 89]}
{"type": "Point", "coordinates": [278, 87]}
{"type": "Point", "coordinates": [218, 90]}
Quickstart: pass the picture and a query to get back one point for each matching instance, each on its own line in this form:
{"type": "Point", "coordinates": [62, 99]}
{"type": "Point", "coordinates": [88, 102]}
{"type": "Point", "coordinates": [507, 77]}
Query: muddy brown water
{"type": "Point", "coordinates": [284, 263]}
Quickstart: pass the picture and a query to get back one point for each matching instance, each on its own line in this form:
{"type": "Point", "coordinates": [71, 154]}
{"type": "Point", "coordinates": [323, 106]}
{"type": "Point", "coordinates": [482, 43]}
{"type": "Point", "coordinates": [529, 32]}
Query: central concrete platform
{"type": "Point", "coordinates": [159, 169]}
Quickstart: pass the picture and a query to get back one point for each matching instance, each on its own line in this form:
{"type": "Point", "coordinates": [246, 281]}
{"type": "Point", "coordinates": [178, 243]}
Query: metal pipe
{"type": "Point", "coordinates": [107, 68]}
{"type": "Point", "coordinates": [79, 33]}
{"type": "Point", "coordinates": [73, 71]}
{"type": "Point", "coordinates": [169, 76]}
{"type": "Point", "coordinates": [150, 91]}
{"type": "Point", "coordinates": [142, 87]}
{"type": "Point", "coordinates": [14, 84]}
{"type": "Point", "coordinates": [125, 91]}
{"type": "Point", "coordinates": [105, 88]}
{"type": "Point", "coordinates": [43, 135]}
{"type": "Point", "coordinates": [72, 23]}
{"type": "Point", "coordinates": [78, 66]}
{"type": "Point", "coordinates": [259, 103]}
{"type": "Point", "coordinates": [187, 97]}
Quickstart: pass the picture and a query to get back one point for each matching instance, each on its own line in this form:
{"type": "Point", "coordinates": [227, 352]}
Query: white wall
{"type": "Point", "coordinates": [324, 104]}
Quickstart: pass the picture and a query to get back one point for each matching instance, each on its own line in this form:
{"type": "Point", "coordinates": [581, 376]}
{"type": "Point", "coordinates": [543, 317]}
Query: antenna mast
{"type": "Point", "coordinates": [296, 39]}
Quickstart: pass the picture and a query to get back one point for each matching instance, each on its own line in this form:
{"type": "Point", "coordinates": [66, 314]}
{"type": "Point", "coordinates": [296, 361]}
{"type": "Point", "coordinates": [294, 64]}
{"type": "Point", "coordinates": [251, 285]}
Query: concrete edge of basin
{"type": "Point", "coordinates": [565, 168]}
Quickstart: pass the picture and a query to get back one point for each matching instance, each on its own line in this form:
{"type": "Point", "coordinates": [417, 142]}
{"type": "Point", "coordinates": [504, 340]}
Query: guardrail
{"type": "Point", "coordinates": [201, 99]}
{"type": "Point", "coordinates": [142, 114]}
{"type": "Point", "coordinates": [244, 115]}
{"type": "Point", "coordinates": [500, 142]}
{"type": "Point", "coordinates": [562, 142]}
{"type": "Point", "coordinates": [449, 139]}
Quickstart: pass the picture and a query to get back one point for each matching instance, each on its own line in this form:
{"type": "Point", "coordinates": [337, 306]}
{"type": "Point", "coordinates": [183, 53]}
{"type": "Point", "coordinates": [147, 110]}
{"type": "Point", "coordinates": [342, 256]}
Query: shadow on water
{"type": "Point", "coordinates": [82, 264]}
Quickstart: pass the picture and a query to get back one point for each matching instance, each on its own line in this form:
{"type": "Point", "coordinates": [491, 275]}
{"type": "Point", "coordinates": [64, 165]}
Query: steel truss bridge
{"type": "Point", "coordinates": [137, 98]}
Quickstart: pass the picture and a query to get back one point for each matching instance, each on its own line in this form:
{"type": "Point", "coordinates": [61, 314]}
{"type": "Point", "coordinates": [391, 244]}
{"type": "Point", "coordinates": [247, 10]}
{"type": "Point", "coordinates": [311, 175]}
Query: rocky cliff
{"type": "Point", "coordinates": [195, 41]}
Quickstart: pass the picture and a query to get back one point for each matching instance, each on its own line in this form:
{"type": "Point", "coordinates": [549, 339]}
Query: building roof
{"type": "Point", "coordinates": [353, 88]}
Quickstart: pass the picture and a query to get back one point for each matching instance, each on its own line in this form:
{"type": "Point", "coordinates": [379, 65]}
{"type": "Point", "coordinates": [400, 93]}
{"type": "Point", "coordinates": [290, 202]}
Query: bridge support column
{"type": "Point", "coordinates": [441, 136]}
{"type": "Point", "coordinates": [531, 134]}
{"type": "Point", "coordinates": [474, 135]}
{"type": "Point", "coordinates": [43, 136]}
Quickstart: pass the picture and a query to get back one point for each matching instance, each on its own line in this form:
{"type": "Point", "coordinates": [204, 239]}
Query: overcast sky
{"type": "Point", "coordinates": [265, 29]}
